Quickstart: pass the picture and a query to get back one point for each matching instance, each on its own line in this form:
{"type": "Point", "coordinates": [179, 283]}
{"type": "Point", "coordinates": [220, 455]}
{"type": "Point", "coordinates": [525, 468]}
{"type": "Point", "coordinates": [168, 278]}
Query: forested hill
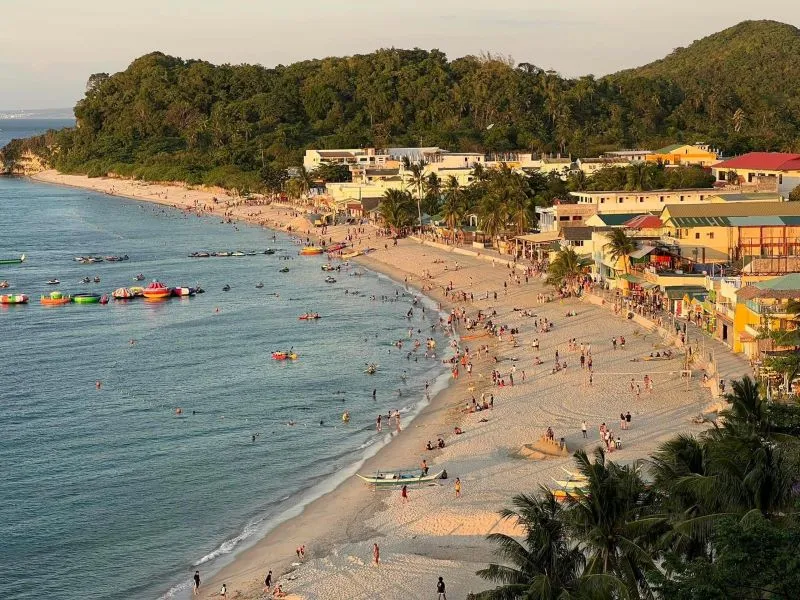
{"type": "Point", "coordinates": [168, 118]}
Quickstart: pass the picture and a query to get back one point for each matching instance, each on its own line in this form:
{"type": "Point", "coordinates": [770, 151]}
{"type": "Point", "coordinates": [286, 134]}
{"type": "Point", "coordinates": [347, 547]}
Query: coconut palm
{"type": "Point", "coordinates": [493, 216]}
{"type": "Point", "coordinates": [620, 246]}
{"type": "Point", "coordinates": [396, 209]}
{"type": "Point", "coordinates": [433, 194]}
{"type": "Point", "coordinates": [546, 564]}
{"type": "Point", "coordinates": [610, 517]}
{"type": "Point", "coordinates": [418, 180]}
{"type": "Point", "coordinates": [454, 207]}
{"type": "Point", "coordinates": [566, 267]}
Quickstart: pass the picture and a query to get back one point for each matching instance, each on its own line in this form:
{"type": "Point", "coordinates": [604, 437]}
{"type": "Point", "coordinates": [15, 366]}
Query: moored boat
{"type": "Point", "coordinates": [12, 261]}
{"type": "Point", "coordinates": [383, 479]}
{"type": "Point", "coordinates": [13, 299]}
{"type": "Point", "coordinates": [330, 279]}
{"type": "Point", "coordinates": [55, 299]}
{"type": "Point", "coordinates": [156, 290]}
{"type": "Point", "coordinates": [53, 282]}
{"type": "Point", "coordinates": [311, 250]}
{"type": "Point", "coordinates": [86, 298]}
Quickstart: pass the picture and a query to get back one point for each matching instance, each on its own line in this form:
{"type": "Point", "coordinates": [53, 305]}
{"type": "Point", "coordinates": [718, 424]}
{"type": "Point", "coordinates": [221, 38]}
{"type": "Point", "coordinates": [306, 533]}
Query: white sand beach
{"type": "Point", "coordinates": [436, 534]}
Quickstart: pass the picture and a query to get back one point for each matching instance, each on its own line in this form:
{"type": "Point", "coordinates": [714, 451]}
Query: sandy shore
{"type": "Point", "coordinates": [436, 534]}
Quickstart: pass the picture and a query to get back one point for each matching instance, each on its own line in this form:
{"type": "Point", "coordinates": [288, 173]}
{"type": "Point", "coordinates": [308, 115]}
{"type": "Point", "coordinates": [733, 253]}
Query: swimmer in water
{"type": "Point", "coordinates": [97, 384]}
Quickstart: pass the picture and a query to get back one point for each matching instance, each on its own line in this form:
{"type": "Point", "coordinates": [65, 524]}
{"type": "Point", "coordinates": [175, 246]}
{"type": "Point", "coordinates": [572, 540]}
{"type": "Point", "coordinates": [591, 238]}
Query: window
{"type": "Point", "coordinates": [641, 198]}
{"type": "Point", "coordinates": [711, 235]}
{"type": "Point", "coordinates": [602, 200]}
{"type": "Point", "coordinates": [697, 236]}
{"type": "Point", "coordinates": [576, 217]}
{"type": "Point", "coordinates": [681, 198]}
{"type": "Point", "coordinates": [619, 200]}
{"type": "Point", "coordinates": [661, 198]}
{"type": "Point", "coordinates": [702, 197]}
{"type": "Point", "coordinates": [563, 218]}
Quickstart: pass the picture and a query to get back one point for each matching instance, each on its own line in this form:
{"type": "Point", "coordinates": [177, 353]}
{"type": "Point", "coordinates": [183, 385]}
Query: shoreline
{"type": "Point", "coordinates": [433, 535]}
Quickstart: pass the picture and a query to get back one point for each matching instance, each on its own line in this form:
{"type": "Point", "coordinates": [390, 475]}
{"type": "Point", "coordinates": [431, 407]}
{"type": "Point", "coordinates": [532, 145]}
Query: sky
{"type": "Point", "coordinates": [48, 48]}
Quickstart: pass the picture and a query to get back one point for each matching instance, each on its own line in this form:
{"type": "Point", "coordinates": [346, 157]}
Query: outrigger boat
{"type": "Point", "coordinates": [12, 261]}
{"type": "Point", "coordinates": [571, 488]}
{"type": "Point", "coordinates": [400, 477]}
{"type": "Point", "coordinates": [13, 299]}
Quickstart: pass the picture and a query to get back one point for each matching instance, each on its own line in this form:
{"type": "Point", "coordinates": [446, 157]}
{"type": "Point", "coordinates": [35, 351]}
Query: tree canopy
{"type": "Point", "coordinates": [165, 118]}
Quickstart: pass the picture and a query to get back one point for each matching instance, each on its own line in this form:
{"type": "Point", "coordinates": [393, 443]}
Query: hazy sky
{"type": "Point", "coordinates": [48, 48]}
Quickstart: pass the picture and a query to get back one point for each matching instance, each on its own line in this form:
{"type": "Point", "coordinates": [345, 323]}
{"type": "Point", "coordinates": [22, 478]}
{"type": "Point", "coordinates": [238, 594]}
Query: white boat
{"type": "Point", "coordinates": [399, 478]}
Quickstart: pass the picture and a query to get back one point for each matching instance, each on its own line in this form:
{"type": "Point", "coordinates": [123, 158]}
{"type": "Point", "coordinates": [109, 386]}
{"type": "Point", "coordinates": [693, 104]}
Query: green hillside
{"type": "Point", "coordinates": [165, 118]}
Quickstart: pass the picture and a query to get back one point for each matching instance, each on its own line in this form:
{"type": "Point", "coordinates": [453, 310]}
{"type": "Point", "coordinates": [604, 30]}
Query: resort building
{"type": "Point", "coordinates": [684, 154]}
{"type": "Point", "coordinates": [632, 156]}
{"type": "Point", "coordinates": [763, 306]}
{"type": "Point", "coordinates": [767, 232]}
{"type": "Point", "coordinates": [656, 200]}
{"type": "Point", "coordinates": [351, 156]}
{"type": "Point", "coordinates": [750, 167]}
{"type": "Point", "coordinates": [590, 166]}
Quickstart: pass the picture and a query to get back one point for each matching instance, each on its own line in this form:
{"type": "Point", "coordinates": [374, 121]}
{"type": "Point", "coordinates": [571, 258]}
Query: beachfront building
{"type": "Point", "coordinates": [761, 307]}
{"type": "Point", "coordinates": [366, 157]}
{"type": "Point", "coordinates": [656, 200]}
{"type": "Point", "coordinates": [684, 154]}
{"type": "Point", "coordinates": [764, 236]}
{"type": "Point", "coordinates": [754, 166]}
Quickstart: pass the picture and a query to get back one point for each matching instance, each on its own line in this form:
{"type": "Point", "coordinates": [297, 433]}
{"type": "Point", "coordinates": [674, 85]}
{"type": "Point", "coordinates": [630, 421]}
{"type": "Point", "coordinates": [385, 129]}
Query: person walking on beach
{"type": "Point", "coordinates": [458, 487]}
{"type": "Point", "coordinates": [404, 494]}
{"type": "Point", "coordinates": [424, 467]}
{"type": "Point", "coordinates": [440, 590]}
{"type": "Point", "coordinates": [268, 582]}
{"type": "Point", "coordinates": [583, 429]}
{"type": "Point", "coordinates": [378, 422]}
{"type": "Point", "coordinates": [376, 554]}
{"type": "Point", "coordinates": [196, 582]}
{"type": "Point", "coordinates": [223, 592]}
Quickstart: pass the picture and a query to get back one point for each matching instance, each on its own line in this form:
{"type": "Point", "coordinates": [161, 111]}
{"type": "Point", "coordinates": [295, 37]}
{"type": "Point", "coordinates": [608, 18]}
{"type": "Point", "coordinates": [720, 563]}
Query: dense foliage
{"type": "Point", "coordinates": [713, 516]}
{"type": "Point", "coordinates": [165, 118]}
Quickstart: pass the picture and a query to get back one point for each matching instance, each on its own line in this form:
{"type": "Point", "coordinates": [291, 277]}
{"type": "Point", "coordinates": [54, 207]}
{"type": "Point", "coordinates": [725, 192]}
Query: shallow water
{"type": "Point", "coordinates": [108, 493]}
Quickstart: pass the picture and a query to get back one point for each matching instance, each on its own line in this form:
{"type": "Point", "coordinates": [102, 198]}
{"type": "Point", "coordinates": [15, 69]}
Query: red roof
{"type": "Point", "coordinates": [643, 222]}
{"type": "Point", "coordinates": [767, 161]}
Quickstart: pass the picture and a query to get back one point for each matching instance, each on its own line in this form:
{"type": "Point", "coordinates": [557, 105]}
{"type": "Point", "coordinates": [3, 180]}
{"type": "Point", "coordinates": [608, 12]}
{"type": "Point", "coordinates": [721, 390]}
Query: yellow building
{"type": "Point", "coordinates": [763, 306]}
{"type": "Point", "coordinates": [684, 154]}
{"type": "Point", "coordinates": [729, 231]}
{"type": "Point", "coordinates": [750, 167]}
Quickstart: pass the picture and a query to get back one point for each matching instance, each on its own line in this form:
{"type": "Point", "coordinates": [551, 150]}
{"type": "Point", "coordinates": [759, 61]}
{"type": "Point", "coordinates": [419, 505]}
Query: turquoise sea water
{"type": "Point", "coordinates": [108, 493]}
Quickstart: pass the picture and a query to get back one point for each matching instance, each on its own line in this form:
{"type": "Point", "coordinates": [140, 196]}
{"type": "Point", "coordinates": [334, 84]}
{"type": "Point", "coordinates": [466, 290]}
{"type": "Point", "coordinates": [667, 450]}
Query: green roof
{"type": "Point", "coordinates": [617, 219]}
{"type": "Point", "coordinates": [790, 282]}
{"type": "Point", "coordinates": [631, 278]}
{"type": "Point", "coordinates": [669, 149]}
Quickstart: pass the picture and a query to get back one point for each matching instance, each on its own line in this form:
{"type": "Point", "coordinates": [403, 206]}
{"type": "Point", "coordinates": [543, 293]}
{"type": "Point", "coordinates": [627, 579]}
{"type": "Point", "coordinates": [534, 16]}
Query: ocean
{"type": "Point", "coordinates": [23, 128]}
{"type": "Point", "coordinates": [108, 493]}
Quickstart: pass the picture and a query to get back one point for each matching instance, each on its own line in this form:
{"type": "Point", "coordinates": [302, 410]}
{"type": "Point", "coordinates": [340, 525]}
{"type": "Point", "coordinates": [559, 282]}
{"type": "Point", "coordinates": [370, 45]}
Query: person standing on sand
{"type": "Point", "coordinates": [458, 487]}
{"type": "Point", "coordinates": [196, 582]}
{"type": "Point", "coordinates": [404, 495]}
{"type": "Point", "coordinates": [378, 422]}
{"type": "Point", "coordinates": [440, 590]}
{"type": "Point", "coordinates": [223, 592]}
{"type": "Point", "coordinates": [583, 429]}
{"type": "Point", "coordinates": [376, 554]}
{"type": "Point", "coordinates": [268, 582]}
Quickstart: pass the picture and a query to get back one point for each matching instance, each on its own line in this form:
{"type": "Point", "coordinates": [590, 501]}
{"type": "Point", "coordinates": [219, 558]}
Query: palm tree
{"type": "Point", "coordinates": [620, 246]}
{"type": "Point", "coordinates": [566, 268]}
{"type": "Point", "coordinates": [433, 194]}
{"type": "Point", "coordinates": [454, 208]}
{"type": "Point", "coordinates": [418, 183]}
{"type": "Point", "coordinates": [609, 516]}
{"type": "Point", "coordinates": [639, 176]}
{"type": "Point", "coordinates": [546, 564]}
{"type": "Point", "coordinates": [396, 209]}
{"type": "Point", "coordinates": [493, 216]}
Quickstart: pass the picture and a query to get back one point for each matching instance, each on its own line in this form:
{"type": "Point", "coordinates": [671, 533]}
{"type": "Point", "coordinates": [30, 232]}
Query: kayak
{"type": "Point", "coordinates": [309, 317]}
{"type": "Point", "coordinates": [13, 299]}
{"type": "Point", "coordinates": [284, 356]}
{"type": "Point", "coordinates": [311, 250]}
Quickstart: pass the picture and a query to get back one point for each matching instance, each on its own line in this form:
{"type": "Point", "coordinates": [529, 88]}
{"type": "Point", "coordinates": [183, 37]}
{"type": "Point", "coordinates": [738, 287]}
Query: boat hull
{"type": "Point", "coordinates": [389, 481]}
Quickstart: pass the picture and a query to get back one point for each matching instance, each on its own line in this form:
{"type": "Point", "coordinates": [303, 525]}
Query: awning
{"type": "Point", "coordinates": [631, 278]}
{"type": "Point", "coordinates": [649, 286]}
{"type": "Point", "coordinates": [539, 238]}
{"type": "Point", "coordinates": [677, 292]}
{"type": "Point", "coordinates": [642, 252]}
